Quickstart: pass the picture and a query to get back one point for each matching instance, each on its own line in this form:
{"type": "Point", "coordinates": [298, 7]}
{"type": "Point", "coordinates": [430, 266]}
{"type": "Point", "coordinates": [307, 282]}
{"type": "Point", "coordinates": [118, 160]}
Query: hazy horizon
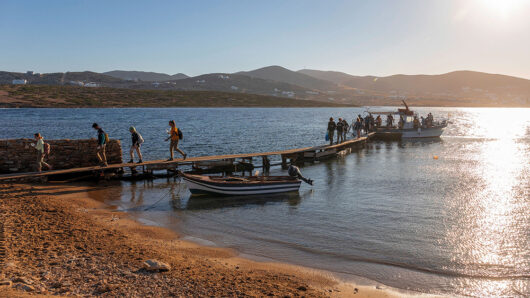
{"type": "Point", "coordinates": [378, 38]}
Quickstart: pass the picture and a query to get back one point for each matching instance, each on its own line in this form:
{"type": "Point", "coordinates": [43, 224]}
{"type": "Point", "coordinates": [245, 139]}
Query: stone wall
{"type": "Point", "coordinates": [18, 156]}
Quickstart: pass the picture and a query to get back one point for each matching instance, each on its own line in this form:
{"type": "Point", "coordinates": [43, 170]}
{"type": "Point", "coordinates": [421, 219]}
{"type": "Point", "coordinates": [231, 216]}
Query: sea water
{"type": "Point", "coordinates": [391, 212]}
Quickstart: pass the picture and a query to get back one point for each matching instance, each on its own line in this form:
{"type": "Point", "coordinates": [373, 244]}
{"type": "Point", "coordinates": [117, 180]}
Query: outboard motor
{"type": "Point", "coordinates": [294, 171]}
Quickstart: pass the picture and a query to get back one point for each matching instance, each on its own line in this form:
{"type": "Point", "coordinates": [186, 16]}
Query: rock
{"type": "Point", "coordinates": [23, 280]}
{"type": "Point", "coordinates": [24, 287]}
{"type": "Point", "coordinates": [379, 287]}
{"type": "Point", "coordinates": [302, 288]}
{"type": "Point", "coordinates": [154, 265]}
{"type": "Point", "coordinates": [5, 283]}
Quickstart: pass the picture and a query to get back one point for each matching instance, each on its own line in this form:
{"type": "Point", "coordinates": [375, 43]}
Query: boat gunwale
{"type": "Point", "coordinates": [209, 180]}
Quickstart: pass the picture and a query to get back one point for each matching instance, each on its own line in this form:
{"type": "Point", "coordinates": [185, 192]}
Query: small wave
{"type": "Point", "coordinates": [392, 264]}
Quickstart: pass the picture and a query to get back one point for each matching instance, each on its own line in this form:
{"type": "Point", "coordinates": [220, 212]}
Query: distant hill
{"type": "Point", "coordinates": [40, 96]}
{"type": "Point", "coordinates": [60, 78]}
{"type": "Point", "coordinates": [336, 77]}
{"type": "Point", "coordinates": [459, 88]}
{"type": "Point", "coordinates": [458, 85]}
{"type": "Point", "coordinates": [237, 83]}
{"type": "Point", "coordinates": [281, 74]}
{"type": "Point", "coordinates": [144, 76]}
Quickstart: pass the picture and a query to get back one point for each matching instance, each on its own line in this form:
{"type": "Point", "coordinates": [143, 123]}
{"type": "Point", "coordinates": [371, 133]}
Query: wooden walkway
{"type": "Point", "coordinates": [312, 153]}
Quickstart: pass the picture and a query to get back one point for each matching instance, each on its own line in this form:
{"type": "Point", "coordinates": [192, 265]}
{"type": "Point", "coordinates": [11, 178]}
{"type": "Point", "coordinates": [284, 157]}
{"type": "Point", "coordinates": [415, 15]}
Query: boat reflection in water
{"type": "Point", "coordinates": [216, 202]}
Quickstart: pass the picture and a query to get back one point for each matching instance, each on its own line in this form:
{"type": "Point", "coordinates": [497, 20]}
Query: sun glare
{"type": "Point", "coordinates": [503, 8]}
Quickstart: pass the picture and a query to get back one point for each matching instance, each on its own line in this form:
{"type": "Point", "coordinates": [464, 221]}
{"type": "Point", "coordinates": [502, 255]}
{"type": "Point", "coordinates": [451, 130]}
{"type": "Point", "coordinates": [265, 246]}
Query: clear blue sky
{"type": "Point", "coordinates": [195, 37]}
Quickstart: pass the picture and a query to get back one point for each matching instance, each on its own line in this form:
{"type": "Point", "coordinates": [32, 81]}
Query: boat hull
{"type": "Point", "coordinates": [239, 189]}
{"type": "Point", "coordinates": [431, 132]}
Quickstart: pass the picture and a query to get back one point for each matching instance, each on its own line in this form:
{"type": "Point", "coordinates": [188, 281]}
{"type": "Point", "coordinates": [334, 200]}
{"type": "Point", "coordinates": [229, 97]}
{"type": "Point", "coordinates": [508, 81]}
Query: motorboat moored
{"type": "Point", "coordinates": [234, 185]}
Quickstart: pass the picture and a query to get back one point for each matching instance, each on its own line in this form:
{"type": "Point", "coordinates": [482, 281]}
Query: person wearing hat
{"type": "Point", "coordinates": [137, 141]}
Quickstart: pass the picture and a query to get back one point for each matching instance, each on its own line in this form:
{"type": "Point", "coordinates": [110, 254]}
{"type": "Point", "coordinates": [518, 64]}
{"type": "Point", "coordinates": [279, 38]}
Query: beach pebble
{"type": "Point", "coordinates": [24, 287]}
{"type": "Point", "coordinates": [379, 287]}
{"type": "Point", "coordinates": [302, 288]}
{"type": "Point", "coordinates": [5, 283]}
{"type": "Point", "coordinates": [23, 280]}
{"type": "Point", "coordinates": [154, 265]}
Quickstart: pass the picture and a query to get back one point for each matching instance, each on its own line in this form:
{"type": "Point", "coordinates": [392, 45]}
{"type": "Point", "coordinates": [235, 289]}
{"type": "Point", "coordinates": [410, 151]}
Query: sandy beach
{"type": "Point", "coordinates": [55, 240]}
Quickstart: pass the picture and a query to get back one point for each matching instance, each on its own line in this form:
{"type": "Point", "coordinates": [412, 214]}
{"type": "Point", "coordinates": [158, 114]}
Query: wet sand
{"type": "Point", "coordinates": [55, 240]}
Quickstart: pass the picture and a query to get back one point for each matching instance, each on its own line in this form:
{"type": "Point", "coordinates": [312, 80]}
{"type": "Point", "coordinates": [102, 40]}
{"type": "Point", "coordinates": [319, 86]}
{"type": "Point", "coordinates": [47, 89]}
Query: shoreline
{"type": "Point", "coordinates": [48, 250]}
{"type": "Point", "coordinates": [261, 107]}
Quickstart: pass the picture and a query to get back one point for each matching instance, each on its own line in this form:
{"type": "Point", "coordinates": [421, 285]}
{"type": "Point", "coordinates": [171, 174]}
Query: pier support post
{"type": "Point", "coordinates": [284, 162]}
{"type": "Point", "coordinates": [266, 164]}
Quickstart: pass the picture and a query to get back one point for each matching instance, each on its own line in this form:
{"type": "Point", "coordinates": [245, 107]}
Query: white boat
{"type": "Point", "coordinates": [234, 186]}
{"type": "Point", "coordinates": [406, 128]}
{"type": "Point", "coordinates": [423, 132]}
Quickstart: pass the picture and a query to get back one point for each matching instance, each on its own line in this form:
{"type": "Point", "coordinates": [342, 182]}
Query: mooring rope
{"type": "Point", "coordinates": [163, 197]}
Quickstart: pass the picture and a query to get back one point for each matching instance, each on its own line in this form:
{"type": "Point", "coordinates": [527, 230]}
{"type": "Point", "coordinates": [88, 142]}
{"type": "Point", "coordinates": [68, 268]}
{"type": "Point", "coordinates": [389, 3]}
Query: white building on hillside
{"type": "Point", "coordinates": [20, 82]}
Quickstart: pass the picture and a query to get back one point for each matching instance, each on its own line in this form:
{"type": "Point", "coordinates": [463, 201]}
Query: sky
{"type": "Point", "coordinates": [375, 37]}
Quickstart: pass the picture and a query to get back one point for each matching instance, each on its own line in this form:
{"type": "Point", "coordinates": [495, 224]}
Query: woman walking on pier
{"type": "Point", "coordinates": [175, 135]}
{"type": "Point", "coordinates": [137, 142]}
{"type": "Point", "coordinates": [102, 143]}
{"type": "Point", "coordinates": [41, 152]}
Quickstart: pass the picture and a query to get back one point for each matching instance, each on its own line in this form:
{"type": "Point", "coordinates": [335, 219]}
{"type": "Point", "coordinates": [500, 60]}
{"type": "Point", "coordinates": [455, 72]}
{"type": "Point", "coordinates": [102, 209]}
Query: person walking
{"type": "Point", "coordinates": [358, 126]}
{"type": "Point", "coordinates": [41, 152]}
{"type": "Point", "coordinates": [331, 130]}
{"type": "Point", "coordinates": [102, 143]}
{"type": "Point", "coordinates": [137, 142]}
{"type": "Point", "coordinates": [345, 129]}
{"type": "Point", "coordinates": [367, 124]}
{"type": "Point", "coordinates": [340, 128]}
{"type": "Point", "coordinates": [174, 135]}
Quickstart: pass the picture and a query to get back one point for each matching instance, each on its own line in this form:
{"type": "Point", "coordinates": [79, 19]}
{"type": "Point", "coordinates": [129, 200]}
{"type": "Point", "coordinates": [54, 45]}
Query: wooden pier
{"type": "Point", "coordinates": [296, 156]}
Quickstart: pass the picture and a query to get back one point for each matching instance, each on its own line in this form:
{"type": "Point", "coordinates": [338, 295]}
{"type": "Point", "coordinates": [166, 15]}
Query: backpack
{"type": "Point", "coordinates": [106, 138]}
{"type": "Point", "coordinates": [47, 149]}
{"type": "Point", "coordinates": [140, 139]}
{"type": "Point", "coordinates": [181, 137]}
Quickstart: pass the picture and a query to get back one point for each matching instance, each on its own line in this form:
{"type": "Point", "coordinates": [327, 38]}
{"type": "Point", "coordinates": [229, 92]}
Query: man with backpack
{"type": "Point", "coordinates": [102, 143]}
{"type": "Point", "coordinates": [43, 149]}
{"type": "Point", "coordinates": [175, 135]}
{"type": "Point", "coordinates": [137, 142]}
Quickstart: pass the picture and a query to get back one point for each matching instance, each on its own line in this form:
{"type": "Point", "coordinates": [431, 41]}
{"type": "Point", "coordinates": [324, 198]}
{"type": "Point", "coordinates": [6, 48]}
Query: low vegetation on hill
{"type": "Point", "coordinates": [40, 96]}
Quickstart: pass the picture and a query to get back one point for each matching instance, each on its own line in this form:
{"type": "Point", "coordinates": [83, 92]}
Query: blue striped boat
{"type": "Point", "coordinates": [234, 186]}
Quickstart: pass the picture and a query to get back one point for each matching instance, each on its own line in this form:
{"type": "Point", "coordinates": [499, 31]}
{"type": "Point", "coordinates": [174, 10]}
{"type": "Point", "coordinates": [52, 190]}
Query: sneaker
{"type": "Point", "coordinates": [140, 161]}
{"type": "Point", "coordinates": [170, 159]}
{"type": "Point", "coordinates": [185, 155]}
{"type": "Point", "coordinates": [131, 161]}
{"type": "Point", "coordinates": [105, 164]}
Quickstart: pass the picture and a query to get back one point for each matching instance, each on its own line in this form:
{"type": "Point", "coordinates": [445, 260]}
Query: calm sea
{"type": "Point", "coordinates": [459, 224]}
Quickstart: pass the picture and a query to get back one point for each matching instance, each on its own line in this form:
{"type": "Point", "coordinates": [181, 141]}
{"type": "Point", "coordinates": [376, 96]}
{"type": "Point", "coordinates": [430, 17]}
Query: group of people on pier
{"type": "Point", "coordinates": [43, 149]}
{"type": "Point", "coordinates": [358, 125]}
